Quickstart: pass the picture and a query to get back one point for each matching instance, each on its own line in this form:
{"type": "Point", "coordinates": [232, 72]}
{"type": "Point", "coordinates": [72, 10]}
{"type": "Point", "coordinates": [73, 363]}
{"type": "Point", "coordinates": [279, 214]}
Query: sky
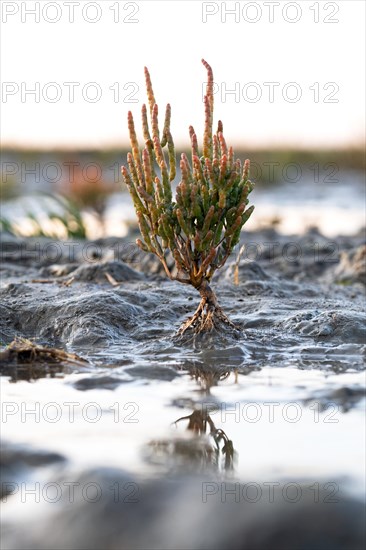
{"type": "Point", "coordinates": [287, 74]}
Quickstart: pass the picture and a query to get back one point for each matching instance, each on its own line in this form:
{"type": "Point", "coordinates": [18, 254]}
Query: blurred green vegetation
{"type": "Point", "coordinates": [57, 216]}
{"type": "Point", "coordinates": [276, 166]}
{"type": "Point", "coordinates": [64, 185]}
{"type": "Point", "coordinates": [322, 166]}
{"type": "Point", "coordinates": [83, 181]}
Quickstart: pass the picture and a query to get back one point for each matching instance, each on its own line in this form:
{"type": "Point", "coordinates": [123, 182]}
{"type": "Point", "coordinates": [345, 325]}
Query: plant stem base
{"type": "Point", "coordinates": [208, 317]}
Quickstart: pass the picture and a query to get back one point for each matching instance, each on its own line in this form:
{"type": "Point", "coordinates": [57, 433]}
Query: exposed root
{"type": "Point", "coordinates": [208, 317]}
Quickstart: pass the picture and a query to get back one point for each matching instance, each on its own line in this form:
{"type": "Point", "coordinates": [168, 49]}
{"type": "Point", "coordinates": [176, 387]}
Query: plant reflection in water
{"type": "Point", "coordinates": [202, 447]}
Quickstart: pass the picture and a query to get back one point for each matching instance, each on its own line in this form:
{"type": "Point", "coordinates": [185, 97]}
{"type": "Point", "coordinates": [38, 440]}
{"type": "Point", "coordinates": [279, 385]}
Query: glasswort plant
{"type": "Point", "coordinates": [202, 225]}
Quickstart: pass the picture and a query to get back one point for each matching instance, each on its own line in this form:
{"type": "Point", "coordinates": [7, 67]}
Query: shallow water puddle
{"type": "Point", "coordinates": [283, 422]}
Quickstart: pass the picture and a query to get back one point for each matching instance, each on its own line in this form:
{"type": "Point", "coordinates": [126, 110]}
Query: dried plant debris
{"type": "Point", "coordinates": [33, 361]}
{"type": "Point", "coordinates": [23, 351]}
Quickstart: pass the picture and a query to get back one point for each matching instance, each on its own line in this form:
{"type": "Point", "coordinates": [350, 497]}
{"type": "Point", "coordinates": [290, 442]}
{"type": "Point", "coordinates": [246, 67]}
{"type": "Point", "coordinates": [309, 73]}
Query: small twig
{"type": "Point", "coordinates": [68, 282]}
{"type": "Point", "coordinates": [111, 279]}
{"type": "Point", "coordinates": [236, 265]}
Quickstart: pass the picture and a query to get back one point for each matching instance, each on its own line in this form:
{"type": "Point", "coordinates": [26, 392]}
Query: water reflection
{"type": "Point", "coordinates": [32, 372]}
{"type": "Point", "coordinates": [202, 446]}
{"type": "Point", "coordinates": [208, 375]}
{"type": "Point", "coordinates": [200, 423]}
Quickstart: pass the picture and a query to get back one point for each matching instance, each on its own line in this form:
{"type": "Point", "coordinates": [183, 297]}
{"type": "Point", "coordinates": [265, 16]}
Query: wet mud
{"type": "Point", "coordinates": [299, 305]}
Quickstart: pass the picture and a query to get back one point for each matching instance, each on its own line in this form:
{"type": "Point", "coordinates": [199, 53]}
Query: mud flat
{"type": "Point", "coordinates": [287, 391]}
